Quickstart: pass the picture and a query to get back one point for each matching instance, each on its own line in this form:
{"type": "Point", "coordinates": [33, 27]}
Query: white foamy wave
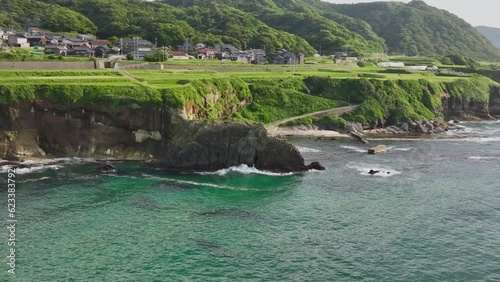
{"type": "Point", "coordinates": [365, 169]}
{"type": "Point", "coordinates": [5, 168]}
{"type": "Point", "coordinates": [37, 168]}
{"type": "Point", "coordinates": [244, 169]}
{"type": "Point", "coordinates": [31, 169]}
{"type": "Point", "coordinates": [76, 160]}
{"type": "Point", "coordinates": [481, 139]}
{"type": "Point", "coordinates": [481, 158]}
{"type": "Point", "coordinates": [35, 180]}
{"type": "Point", "coordinates": [194, 183]}
{"type": "Point", "coordinates": [354, 149]}
{"type": "Point", "coordinates": [401, 149]}
{"type": "Point", "coordinates": [307, 150]}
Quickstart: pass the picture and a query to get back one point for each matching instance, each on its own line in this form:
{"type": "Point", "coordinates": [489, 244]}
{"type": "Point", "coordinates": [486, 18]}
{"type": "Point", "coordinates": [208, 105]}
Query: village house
{"type": "Point", "coordinates": [6, 33]}
{"type": "Point", "coordinates": [86, 37]}
{"type": "Point", "coordinates": [285, 57]}
{"type": "Point", "coordinates": [141, 44]}
{"type": "Point", "coordinates": [136, 47]}
{"type": "Point", "coordinates": [77, 42]}
{"type": "Point", "coordinates": [18, 40]}
{"type": "Point", "coordinates": [222, 55]}
{"type": "Point", "coordinates": [100, 51]}
{"type": "Point", "coordinates": [205, 53]}
{"type": "Point", "coordinates": [57, 49]}
{"type": "Point", "coordinates": [258, 56]}
{"type": "Point", "coordinates": [34, 30]}
{"type": "Point", "coordinates": [98, 42]}
{"type": "Point", "coordinates": [242, 57]}
{"type": "Point", "coordinates": [36, 40]}
{"type": "Point", "coordinates": [340, 55]}
{"type": "Point", "coordinates": [225, 48]}
{"type": "Point", "coordinates": [81, 51]}
{"type": "Point", "coordinates": [140, 54]}
{"type": "Point", "coordinates": [179, 55]}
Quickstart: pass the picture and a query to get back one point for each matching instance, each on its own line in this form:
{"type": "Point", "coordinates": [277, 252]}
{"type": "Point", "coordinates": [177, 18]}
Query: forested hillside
{"type": "Point", "coordinates": [418, 29]}
{"type": "Point", "coordinates": [306, 26]}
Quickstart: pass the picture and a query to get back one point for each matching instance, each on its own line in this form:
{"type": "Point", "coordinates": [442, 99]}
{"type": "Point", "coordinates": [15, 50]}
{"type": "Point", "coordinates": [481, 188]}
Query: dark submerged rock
{"type": "Point", "coordinates": [316, 166]}
{"type": "Point", "coordinates": [107, 168]}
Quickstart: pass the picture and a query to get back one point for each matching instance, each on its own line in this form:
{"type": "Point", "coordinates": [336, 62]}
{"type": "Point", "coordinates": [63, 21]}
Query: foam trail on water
{"type": "Point", "coordinates": [481, 158]}
{"type": "Point", "coordinates": [307, 150]}
{"type": "Point", "coordinates": [244, 169]}
{"type": "Point", "coordinates": [31, 169]}
{"type": "Point", "coordinates": [35, 180]}
{"type": "Point", "coordinates": [180, 181]}
{"type": "Point", "coordinates": [400, 149]}
{"type": "Point", "coordinates": [353, 148]}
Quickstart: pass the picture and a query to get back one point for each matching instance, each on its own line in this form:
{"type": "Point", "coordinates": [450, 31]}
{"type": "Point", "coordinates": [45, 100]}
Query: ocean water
{"type": "Point", "coordinates": [431, 214]}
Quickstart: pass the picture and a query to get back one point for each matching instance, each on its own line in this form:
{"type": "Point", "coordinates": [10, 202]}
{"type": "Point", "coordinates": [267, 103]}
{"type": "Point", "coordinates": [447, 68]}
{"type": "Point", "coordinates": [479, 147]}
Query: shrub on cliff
{"type": "Point", "coordinates": [225, 94]}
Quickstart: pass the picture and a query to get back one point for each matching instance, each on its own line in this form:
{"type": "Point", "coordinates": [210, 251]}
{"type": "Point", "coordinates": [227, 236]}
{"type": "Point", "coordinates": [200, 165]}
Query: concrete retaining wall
{"type": "Point", "coordinates": [48, 65]}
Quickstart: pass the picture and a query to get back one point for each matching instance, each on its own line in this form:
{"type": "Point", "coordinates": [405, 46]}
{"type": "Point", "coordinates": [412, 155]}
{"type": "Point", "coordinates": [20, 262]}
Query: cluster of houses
{"type": "Point", "coordinates": [58, 44]}
{"type": "Point", "coordinates": [88, 46]}
{"type": "Point", "coordinates": [229, 52]}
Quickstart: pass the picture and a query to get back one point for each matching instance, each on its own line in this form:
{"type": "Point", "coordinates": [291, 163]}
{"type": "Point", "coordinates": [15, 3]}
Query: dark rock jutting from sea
{"type": "Point", "coordinates": [211, 146]}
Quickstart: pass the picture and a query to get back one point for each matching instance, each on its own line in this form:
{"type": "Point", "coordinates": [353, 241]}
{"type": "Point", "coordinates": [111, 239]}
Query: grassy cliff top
{"type": "Point", "coordinates": [263, 95]}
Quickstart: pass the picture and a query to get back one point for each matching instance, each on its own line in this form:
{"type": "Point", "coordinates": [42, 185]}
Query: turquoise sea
{"type": "Point", "coordinates": [432, 214]}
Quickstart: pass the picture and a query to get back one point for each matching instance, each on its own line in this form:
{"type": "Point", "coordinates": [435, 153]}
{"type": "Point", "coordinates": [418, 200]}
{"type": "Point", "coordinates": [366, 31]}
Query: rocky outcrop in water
{"type": "Point", "coordinates": [210, 146]}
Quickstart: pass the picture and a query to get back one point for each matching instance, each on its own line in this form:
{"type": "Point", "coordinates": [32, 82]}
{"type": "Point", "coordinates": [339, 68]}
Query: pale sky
{"type": "Point", "coordinates": [475, 12]}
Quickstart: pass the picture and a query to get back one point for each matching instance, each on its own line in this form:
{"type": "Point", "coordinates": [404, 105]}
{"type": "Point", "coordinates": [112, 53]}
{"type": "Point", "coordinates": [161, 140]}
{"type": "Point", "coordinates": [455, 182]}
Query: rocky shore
{"type": "Point", "coordinates": [211, 146]}
{"type": "Point", "coordinates": [420, 127]}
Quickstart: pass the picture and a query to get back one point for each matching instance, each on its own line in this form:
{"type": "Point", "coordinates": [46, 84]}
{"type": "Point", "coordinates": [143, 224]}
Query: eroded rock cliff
{"type": "Point", "coordinates": [198, 146]}
{"type": "Point", "coordinates": [39, 129]}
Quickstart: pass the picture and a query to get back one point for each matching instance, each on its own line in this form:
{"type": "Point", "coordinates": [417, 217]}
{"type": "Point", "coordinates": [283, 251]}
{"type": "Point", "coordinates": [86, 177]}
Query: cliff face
{"type": "Point", "coordinates": [494, 103]}
{"type": "Point", "coordinates": [464, 109]}
{"type": "Point", "coordinates": [41, 130]}
{"type": "Point", "coordinates": [468, 109]}
{"type": "Point", "coordinates": [38, 129]}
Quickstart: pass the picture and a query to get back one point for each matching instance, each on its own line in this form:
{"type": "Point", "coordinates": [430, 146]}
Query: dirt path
{"type": "Point", "coordinates": [336, 111]}
{"type": "Point", "coordinates": [131, 77]}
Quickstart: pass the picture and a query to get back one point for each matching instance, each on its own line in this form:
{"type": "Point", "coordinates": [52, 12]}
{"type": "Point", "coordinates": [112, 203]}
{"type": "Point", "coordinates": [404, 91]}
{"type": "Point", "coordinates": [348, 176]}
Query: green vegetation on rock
{"type": "Point", "coordinates": [276, 99]}
{"type": "Point", "coordinates": [383, 97]}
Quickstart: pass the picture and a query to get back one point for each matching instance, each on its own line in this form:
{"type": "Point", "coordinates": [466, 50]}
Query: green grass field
{"type": "Point", "coordinates": [164, 79]}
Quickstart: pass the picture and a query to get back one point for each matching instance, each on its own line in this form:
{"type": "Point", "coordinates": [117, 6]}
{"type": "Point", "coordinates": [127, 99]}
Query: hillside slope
{"type": "Point", "coordinates": [491, 33]}
{"type": "Point", "coordinates": [419, 29]}
{"type": "Point", "coordinates": [306, 26]}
